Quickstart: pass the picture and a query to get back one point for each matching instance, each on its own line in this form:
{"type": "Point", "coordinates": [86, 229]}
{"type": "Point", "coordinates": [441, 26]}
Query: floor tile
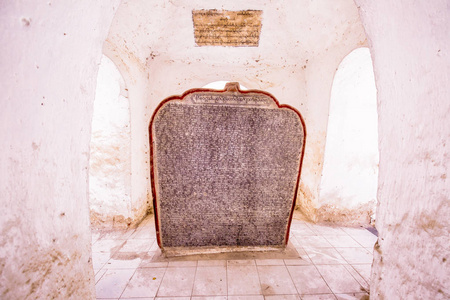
{"type": "Point", "coordinates": [243, 280]}
{"type": "Point", "coordinates": [324, 256]}
{"type": "Point", "coordinates": [144, 283]}
{"type": "Point", "coordinates": [296, 218]}
{"type": "Point", "coordinates": [302, 256]}
{"type": "Point", "coordinates": [353, 296]}
{"type": "Point", "coordinates": [99, 259]}
{"type": "Point", "coordinates": [210, 281]}
{"type": "Point", "coordinates": [342, 241]}
{"type": "Point", "coordinates": [357, 231]}
{"type": "Point", "coordinates": [301, 261]}
{"type": "Point", "coordinates": [211, 263]}
{"type": "Point", "coordinates": [137, 245]}
{"type": "Point", "coordinates": [138, 298]}
{"type": "Point", "coordinates": [319, 297]}
{"type": "Point", "coordinates": [155, 247]}
{"type": "Point", "coordinates": [241, 262]}
{"type": "Point", "coordinates": [188, 263]}
{"type": "Point", "coordinates": [356, 255]}
{"type": "Point", "coordinates": [275, 280]}
{"type": "Point", "coordinates": [328, 230]}
{"type": "Point", "coordinates": [149, 220]}
{"type": "Point", "coordinates": [150, 264]}
{"type": "Point", "coordinates": [364, 270]}
{"type": "Point", "coordinates": [339, 279]}
{"type": "Point", "coordinates": [308, 280]}
{"type": "Point", "coordinates": [144, 234]}
{"type": "Point", "coordinates": [112, 283]}
{"type": "Point", "coordinates": [367, 241]}
{"type": "Point", "coordinates": [246, 297]}
{"type": "Point", "coordinates": [99, 274]}
{"type": "Point", "coordinates": [313, 241]}
{"type": "Point", "coordinates": [107, 246]}
{"type": "Point", "coordinates": [364, 284]}
{"type": "Point", "coordinates": [95, 236]}
{"type": "Point", "coordinates": [148, 224]}
{"type": "Point", "coordinates": [116, 234]}
{"type": "Point", "coordinates": [122, 263]}
{"type": "Point", "coordinates": [282, 297]}
{"type": "Point", "coordinates": [293, 241]}
{"type": "Point", "coordinates": [116, 259]}
{"type": "Point", "coordinates": [302, 231]}
{"type": "Point", "coordinates": [269, 262]}
{"type": "Point", "coordinates": [148, 261]}
{"type": "Point", "coordinates": [172, 298]}
{"type": "Point", "coordinates": [177, 281]}
{"type": "Point", "coordinates": [209, 298]}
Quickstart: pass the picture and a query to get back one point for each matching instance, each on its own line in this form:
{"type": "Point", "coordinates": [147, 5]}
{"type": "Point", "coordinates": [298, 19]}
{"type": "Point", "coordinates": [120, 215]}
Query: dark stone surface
{"type": "Point", "coordinates": [225, 174]}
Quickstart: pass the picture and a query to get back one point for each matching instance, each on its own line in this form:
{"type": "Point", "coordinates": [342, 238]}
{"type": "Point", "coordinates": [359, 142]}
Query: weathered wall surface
{"type": "Point", "coordinates": [50, 53]}
{"type": "Point", "coordinates": [410, 48]}
{"type": "Point", "coordinates": [348, 189]}
{"type": "Point", "coordinates": [110, 155]}
{"type": "Point", "coordinates": [300, 48]}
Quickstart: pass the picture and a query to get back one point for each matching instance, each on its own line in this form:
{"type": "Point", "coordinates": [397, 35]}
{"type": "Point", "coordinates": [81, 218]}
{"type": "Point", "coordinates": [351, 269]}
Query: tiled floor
{"type": "Point", "coordinates": [329, 263]}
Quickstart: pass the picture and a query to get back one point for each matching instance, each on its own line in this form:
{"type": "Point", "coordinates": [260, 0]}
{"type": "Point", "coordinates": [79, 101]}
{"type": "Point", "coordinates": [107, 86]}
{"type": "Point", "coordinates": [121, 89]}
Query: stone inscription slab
{"type": "Point", "coordinates": [227, 28]}
{"type": "Point", "coordinates": [225, 169]}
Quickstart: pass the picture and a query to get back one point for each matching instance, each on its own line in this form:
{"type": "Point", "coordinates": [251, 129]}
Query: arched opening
{"type": "Point", "coordinates": [350, 173]}
{"type": "Point", "coordinates": [220, 85]}
{"type": "Point", "coordinates": [109, 164]}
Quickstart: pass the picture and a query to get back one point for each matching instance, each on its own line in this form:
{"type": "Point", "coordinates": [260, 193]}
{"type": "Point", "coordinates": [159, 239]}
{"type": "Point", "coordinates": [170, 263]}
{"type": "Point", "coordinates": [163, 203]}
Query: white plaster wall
{"type": "Point", "coordinates": [410, 46]}
{"type": "Point", "coordinates": [350, 172]}
{"type": "Point", "coordinates": [300, 48]}
{"type": "Point", "coordinates": [110, 155]}
{"type": "Point", "coordinates": [49, 54]}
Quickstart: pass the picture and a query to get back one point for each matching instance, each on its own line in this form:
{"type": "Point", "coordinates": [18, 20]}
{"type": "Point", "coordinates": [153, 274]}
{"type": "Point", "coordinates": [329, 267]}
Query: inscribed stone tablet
{"type": "Point", "coordinates": [227, 28]}
{"type": "Point", "coordinates": [225, 168]}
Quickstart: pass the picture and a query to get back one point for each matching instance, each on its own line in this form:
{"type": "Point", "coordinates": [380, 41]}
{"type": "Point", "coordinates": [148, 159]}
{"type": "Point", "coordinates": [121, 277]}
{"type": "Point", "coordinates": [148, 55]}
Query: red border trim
{"type": "Point", "coordinates": [191, 91]}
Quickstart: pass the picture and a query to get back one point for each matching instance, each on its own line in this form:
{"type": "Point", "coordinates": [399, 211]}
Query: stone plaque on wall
{"type": "Point", "coordinates": [227, 28]}
{"type": "Point", "coordinates": [225, 168]}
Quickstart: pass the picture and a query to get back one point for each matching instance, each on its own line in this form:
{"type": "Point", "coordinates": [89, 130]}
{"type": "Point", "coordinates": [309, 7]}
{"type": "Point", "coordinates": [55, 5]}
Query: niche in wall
{"type": "Point", "coordinates": [349, 183]}
{"type": "Point", "coordinates": [110, 165]}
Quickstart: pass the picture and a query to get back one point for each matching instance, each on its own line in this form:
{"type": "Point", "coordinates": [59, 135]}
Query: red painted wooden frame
{"type": "Point", "coordinates": [225, 90]}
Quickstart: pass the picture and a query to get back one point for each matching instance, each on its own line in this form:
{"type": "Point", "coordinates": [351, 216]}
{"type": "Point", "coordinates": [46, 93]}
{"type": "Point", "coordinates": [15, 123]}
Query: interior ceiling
{"type": "Point", "coordinates": [144, 31]}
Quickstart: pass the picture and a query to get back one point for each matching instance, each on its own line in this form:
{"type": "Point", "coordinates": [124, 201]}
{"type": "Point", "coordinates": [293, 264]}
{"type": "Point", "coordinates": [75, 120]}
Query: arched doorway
{"type": "Point", "coordinates": [110, 150]}
{"type": "Point", "coordinates": [350, 173]}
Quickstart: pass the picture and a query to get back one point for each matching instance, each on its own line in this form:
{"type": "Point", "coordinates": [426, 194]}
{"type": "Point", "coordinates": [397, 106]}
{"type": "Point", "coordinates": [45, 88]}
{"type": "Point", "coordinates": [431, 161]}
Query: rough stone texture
{"type": "Point", "coordinates": [50, 53]}
{"type": "Point", "coordinates": [300, 47]}
{"type": "Point", "coordinates": [226, 167]}
{"type": "Point", "coordinates": [356, 215]}
{"type": "Point", "coordinates": [411, 54]}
